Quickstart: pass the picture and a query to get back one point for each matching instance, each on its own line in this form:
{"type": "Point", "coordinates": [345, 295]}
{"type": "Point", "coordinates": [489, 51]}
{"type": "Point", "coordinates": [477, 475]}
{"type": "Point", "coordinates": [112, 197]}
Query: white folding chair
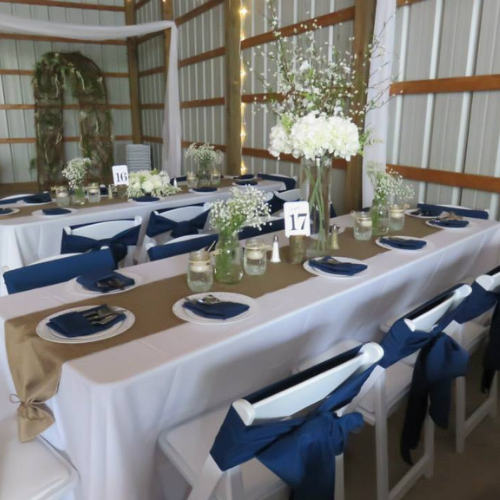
{"type": "Point", "coordinates": [388, 394]}
{"type": "Point", "coordinates": [290, 195]}
{"type": "Point", "coordinates": [188, 445]}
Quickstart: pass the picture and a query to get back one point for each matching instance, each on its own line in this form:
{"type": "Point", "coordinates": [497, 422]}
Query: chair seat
{"type": "Point", "coordinates": [31, 471]}
{"type": "Point", "coordinates": [188, 445]}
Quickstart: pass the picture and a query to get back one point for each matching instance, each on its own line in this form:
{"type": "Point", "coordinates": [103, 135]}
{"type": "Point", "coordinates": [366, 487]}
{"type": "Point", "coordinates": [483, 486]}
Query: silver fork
{"type": "Point", "coordinates": [98, 313]}
{"type": "Point", "coordinates": [104, 321]}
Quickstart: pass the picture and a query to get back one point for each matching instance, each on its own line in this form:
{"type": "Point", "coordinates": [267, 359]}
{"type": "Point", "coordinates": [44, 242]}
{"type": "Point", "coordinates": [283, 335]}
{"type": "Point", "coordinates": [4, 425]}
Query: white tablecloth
{"type": "Point", "coordinates": [112, 405]}
{"type": "Point", "coordinates": [24, 240]}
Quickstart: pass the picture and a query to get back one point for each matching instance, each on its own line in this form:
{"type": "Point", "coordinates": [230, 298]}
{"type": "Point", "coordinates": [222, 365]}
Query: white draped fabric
{"type": "Point", "coordinates": [380, 74]}
{"type": "Point", "coordinates": [112, 405]}
{"type": "Point", "coordinates": [172, 153]}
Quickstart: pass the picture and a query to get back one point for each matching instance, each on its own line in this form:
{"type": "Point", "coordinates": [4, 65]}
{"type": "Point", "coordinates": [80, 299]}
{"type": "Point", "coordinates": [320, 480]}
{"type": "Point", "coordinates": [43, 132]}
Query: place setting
{"type": "Point", "coordinates": [8, 211]}
{"type": "Point", "coordinates": [450, 221]}
{"type": "Point", "coordinates": [404, 243]}
{"type": "Point", "coordinates": [35, 199]}
{"type": "Point", "coordinates": [98, 283]}
{"type": "Point", "coordinates": [85, 324]}
{"type": "Point", "coordinates": [54, 212]}
{"type": "Point", "coordinates": [336, 267]}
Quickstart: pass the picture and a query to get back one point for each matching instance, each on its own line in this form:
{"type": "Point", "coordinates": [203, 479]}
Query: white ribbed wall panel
{"type": "Point", "coordinates": [457, 132]}
{"type": "Point", "coordinates": [23, 54]}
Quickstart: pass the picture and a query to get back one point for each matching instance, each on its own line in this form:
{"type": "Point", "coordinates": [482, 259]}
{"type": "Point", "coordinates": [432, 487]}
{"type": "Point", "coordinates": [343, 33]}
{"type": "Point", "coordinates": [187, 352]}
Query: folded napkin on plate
{"type": "Point", "coordinates": [428, 212]}
{"type": "Point", "coordinates": [5, 211]}
{"type": "Point", "coordinates": [449, 223]}
{"type": "Point", "coordinates": [38, 198]}
{"type": "Point", "coordinates": [220, 310]}
{"type": "Point", "coordinates": [146, 198]}
{"type": "Point", "coordinates": [244, 182]}
{"type": "Point", "coordinates": [205, 189]}
{"type": "Point", "coordinates": [403, 244]}
{"type": "Point", "coordinates": [343, 269]}
{"type": "Point", "coordinates": [463, 212]}
{"type": "Point", "coordinates": [56, 211]}
{"type": "Point", "coordinates": [103, 282]}
{"type": "Point", "coordinates": [74, 324]}
{"type": "Point", "coordinates": [243, 177]}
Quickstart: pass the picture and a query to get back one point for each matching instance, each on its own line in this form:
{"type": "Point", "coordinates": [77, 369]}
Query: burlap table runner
{"type": "Point", "coordinates": [36, 364]}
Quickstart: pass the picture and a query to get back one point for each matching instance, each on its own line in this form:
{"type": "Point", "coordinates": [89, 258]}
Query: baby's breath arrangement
{"type": "Point", "coordinates": [76, 171]}
{"type": "Point", "coordinates": [246, 207]}
{"type": "Point", "coordinates": [204, 155]}
{"type": "Point", "coordinates": [388, 183]}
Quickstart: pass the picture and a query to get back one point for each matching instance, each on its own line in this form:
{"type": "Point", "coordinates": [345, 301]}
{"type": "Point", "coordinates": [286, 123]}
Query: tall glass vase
{"type": "Point", "coordinates": [78, 195]}
{"type": "Point", "coordinates": [380, 216]}
{"type": "Point", "coordinates": [316, 176]}
{"type": "Point", "coordinates": [228, 259]}
{"type": "Point", "coordinates": [204, 174]}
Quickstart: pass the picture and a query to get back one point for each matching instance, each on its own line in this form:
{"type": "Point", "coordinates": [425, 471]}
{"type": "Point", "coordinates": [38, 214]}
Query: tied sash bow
{"type": "Point", "coordinates": [158, 224]}
{"type": "Point", "coordinates": [301, 451]}
{"type": "Point", "coordinates": [33, 418]}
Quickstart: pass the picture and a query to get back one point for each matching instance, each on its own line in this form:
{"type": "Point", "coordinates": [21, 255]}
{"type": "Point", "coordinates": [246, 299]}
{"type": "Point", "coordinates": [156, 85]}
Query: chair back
{"type": "Point", "coordinates": [425, 317]}
{"type": "Point", "coordinates": [309, 390]}
{"type": "Point", "coordinates": [182, 214]}
{"type": "Point", "coordinates": [57, 270]}
{"type": "Point", "coordinates": [290, 195]}
{"type": "Point", "coordinates": [103, 230]}
{"type": "Point", "coordinates": [491, 280]}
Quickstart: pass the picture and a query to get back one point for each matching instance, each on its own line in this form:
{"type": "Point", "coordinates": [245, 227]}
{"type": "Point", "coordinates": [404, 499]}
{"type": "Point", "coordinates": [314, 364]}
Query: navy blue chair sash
{"type": "Point", "coordinates": [270, 227]}
{"type": "Point", "coordinates": [158, 225]}
{"type": "Point", "coordinates": [301, 451]}
{"type": "Point", "coordinates": [72, 243]}
{"type": "Point", "coordinates": [57, 271]}
{"type": "Point", "coordinates": [463, 212]}
{"type": "Point", "coordinates": [182, 247]}
{"type": "Point", "coordinates": [289, 182]}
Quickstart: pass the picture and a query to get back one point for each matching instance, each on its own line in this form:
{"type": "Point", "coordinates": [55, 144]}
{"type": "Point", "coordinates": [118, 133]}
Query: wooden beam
{"type": "Point", "coordinates": [149, 36]}
{"type": "Point", "coordinates": [153, 71]}
{"type": "Point", "coordinates": [219, 147]}
{"type": "Point", "coordinates": [152, 105]}
{"type": "Point", "coordinates": [148, 138]}
{"type": "Point", "coordinates": [260, 98]}
{"type": "Point", "coordinates": [340, 16]}
{"type": "Point", "coordinates": [32, 140]}
{"type": "Point", "coordinates": [480, 83]}
{"type": "Point", "coordinates": [204, 103]}
{"type": "Point", "coordinates": [232, 18]}
{"type": "Point", "coordinates": [205, 56]}
{"type": "Point", "coordinates": [37, 38]}
{"type": "Point", "coordinates": [198, 11]}
{"type": "Point", "coordinates": [66, 5]}
{"type": "Point", "coordinates": [134, 75]}
{"type": "Point", "coordinates": [8, 189]}
{"type": "Point", "coordinates": [140, 4]}
{"type": "Point", "coordinates": [448, 178]}
{"type": "Point", "coordinates": [364, 24]}
{"type": "Point", "coordinates": [404, 3]}
{"type": "Point", "coordinates": [29, 72]}
{"type": "Point", "coordinates": [9, 107]}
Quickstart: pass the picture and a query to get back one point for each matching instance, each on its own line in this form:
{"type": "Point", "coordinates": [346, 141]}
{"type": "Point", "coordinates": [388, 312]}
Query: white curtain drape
{"type": "Point", "coordinates": [380, 73]}
{"type": "Point", "coordinates": [172, 151]}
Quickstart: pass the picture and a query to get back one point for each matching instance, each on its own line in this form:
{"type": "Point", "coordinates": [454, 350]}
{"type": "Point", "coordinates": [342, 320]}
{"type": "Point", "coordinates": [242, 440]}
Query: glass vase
{"type": "Point", "coordinates": [315, 188]}
{"type": "Point", "coordinates": [228, 259]}
{"type": "Point", "coordinates": [204, 174]}
{"type": "Point", "coordinates": [78, 196]}
{"type": "Point", "coordinates": [380, 217]}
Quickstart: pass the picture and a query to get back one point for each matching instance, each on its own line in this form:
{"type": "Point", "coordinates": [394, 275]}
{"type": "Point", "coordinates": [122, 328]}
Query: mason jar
{"type": "Point", "coordinates": [62, 196]}
{"type": "Point", "coordinates": [396, 217]}
{"type": "Point", "coordinates": [255, 260]}
{"type": "Point", "coordinates": [363, 225]}
{"type": "Point", "coordinates": [200, 277]}
{"type": "Point", "coordinates": [94, 192]}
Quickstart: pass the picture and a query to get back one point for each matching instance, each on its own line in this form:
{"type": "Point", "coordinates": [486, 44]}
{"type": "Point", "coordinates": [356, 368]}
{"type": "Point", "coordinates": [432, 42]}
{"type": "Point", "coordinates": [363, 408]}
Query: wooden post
{"type": "Point", "coordinates": [133, 75]}
{"type": "Point", "coordinates": [233, 85]}
{"type": "Point", "coordinates": [364, 22]}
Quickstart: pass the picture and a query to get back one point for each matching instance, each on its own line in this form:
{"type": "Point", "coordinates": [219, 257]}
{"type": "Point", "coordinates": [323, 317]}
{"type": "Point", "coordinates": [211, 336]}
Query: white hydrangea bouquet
{"type": "Point", "coordinates": [149, 182]}
{"type": "Point", "coordinates": [76, 172]}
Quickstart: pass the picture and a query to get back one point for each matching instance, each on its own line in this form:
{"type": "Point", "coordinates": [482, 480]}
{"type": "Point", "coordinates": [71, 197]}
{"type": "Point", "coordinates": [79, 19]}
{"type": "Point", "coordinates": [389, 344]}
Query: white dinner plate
{"type": "Point", "coordinates": [424, 249]}
{"type": "Point", "coordinates": [199, 192]}
{"type": "Point", "coordinates": [24, 204]}
{"type": "Point", "coordinates": [130, 200]}
{"type": "Point", "coordinates": [318, 272]}
{"type": "Point", "coordinates": [46, 333]}
{"type": "Point", "coordinates": [74, 287]}
{"type": "Point", "coordinates": [191, 317]}
{"type": "Point", "coordinates": [14, 211]}
{"type": "Point", "coordinates": [409, 212]}
{"type": "Point", "coordinates": [39, 213]}
{"type": "Point", "coordinates": [429, 223]}
{"type": "Point", "coordinates": [245, 185]}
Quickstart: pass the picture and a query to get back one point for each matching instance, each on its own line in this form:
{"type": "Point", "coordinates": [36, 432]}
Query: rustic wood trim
{"type": "Point", "coordinates": [479, 83]}
{"type": "Point", "coordinates": [9, 107]}
{"type": "Point", "coordinates": [153, 71]}
{"type": "Point", "coordinates": [152, 105]}
{"type": "Point", "coordinates": [220, 147]}
{"type": "Point", "coordinates": [205, 56]}
{"type": "Point", "coordinates": [203, 103]}
{"type": "Point", "coordinates": [149, 36]}
{"type": "Point", "coordinates": [340, 16]}
{"type": "Point", "coordinates": [67, 5]}
{"type": "Point", "coordinates": [198, 11]}
{"type": "Point", "coordinates": [140, 4]}
{"type": "Point", "coordinates": [38, 38]}
{"type": "Point", "coordinates": [404, 3]}
{"type": "Point", "coordinates": [149, 138]}
{"type": "Point", "coordinates": [260, 98]}
{"type": "Point", "coordinates": [29, 72]}
{"type": "Point", "coordinates": [32, 140]}
{"type": "Point", "coordinates": [446, 178]}
{"type": "Point", "coordinates": [11, 188]}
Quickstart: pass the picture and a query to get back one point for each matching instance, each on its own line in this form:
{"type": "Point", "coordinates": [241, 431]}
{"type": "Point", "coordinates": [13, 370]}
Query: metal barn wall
{"type": "Point", "coordinates": [459, 131]}
{"type": "Point", "coordinates": [15, 89]}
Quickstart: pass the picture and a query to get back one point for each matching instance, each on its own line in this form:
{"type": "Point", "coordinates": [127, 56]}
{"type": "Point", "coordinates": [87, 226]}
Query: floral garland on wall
{"type": "Point", "coordinates": [55, 73]}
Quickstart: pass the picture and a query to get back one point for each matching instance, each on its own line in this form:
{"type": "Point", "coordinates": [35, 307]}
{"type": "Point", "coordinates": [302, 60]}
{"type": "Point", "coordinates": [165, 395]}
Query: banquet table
{"type": "Point", "coordinates": [111, 406]}
{"type": "Point", "coordinates": [27, 239]}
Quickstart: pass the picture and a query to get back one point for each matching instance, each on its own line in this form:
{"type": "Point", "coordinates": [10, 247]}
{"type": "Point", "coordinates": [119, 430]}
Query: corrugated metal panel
{"type": "Point", "coordinates": [20, 54]}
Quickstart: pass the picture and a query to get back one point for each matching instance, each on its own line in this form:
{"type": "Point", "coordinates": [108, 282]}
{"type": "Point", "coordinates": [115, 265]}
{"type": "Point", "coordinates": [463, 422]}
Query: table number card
{"type": "Point", "coordinates": [120, 175]}
{"type": "Point", "coordinates": [297, 221]}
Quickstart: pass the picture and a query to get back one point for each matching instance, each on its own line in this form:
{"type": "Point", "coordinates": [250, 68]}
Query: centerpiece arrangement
{"type": "Point", "coordinates": [206, 158]}
{"type": "Point", "coordinates": [247, 207]}
{"type": "Point", "coordinates": [76, 175]}
{"type": "Point", "coordinates": [150, 183]}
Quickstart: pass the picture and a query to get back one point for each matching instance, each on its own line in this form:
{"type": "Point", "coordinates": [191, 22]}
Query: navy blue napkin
{"type": "Point", "coordinates": [249, 182]}
{"type": "Point", "coordinates": [449, 223]}
{"type": "Point", "coordinates": [206, 189]}
{"type": "Point", "coordinates": [146, 198]}
{"type": "Point", "coordinates": [91, 280]}
{"type": "Point", "coordinates": [244, 177]}
{"type": "Point", "coordinates": [56, 211]}
{"type": "Point", "coordinates": [403, 244]}
{"type": "Point", "coordinates": [74, 324]}
{"type": "Point", "coordinates": [428, 212]}
{"type": "Point", "coordinates": [343, 269]}
{"type": "Point", "coordinates": [464, 212]}
{"type": "Point", "coordinates": [5, 211]}
{"type": "Point", "coordinates": [38, 198]}
{"type": "Point", "coordinates": [221, 310]}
